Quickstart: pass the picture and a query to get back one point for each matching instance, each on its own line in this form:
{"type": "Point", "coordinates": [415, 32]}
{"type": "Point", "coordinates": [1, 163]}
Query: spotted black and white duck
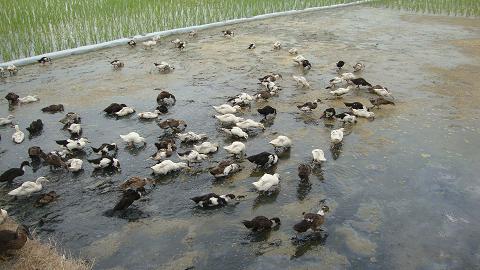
{"type": "Point", "coordinates": [166, 98]}
{"type": "Point", "coordinates": [192, 156]}
{"type": "Point", "coordinates": [224, 169]}
{"type": "Point", "coordinates": [116, 64]}
{"type": "Point", "coordinates": [44, 60]}
{"type": "Point", "coordinates": [309, 106]}
{"type": "Point", "coordinates": [212, 200]}
{"type": "Point", "coordinates": [132, 43]}
{"type": "Point", "coordinates": [358, 67]}
{"type": "Point", "coordinates": [359, 82]}
{"type": "Point", "coordinates": [228, 33]}
{"type": "Point", "coordinates": [261, 223]}
{"type": "Point", "coordinates": [105, 149]}
{"type": "Point", "coordinates": [270, 78]}
{"type": "Point", "coordinates": [251, 46]}
{"type": "Point", "coordinates": [346, 117]}
{"type": "Point", "coordinates": [105, 163]}
{"type": "Point", "coordinates": [13, 173]}
{"type": "Point", "coordinates": [355, 105]}
{"type": "Point", "coordinates": [264, 159]}
{"type": "Point", "coordinates": [113, 108]}
{"type": "Point", "coordinates": [328, 113]}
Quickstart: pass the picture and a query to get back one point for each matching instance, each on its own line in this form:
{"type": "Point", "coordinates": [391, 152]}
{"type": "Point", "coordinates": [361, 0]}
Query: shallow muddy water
{"type": "Point", "coordinates": [403, 190]}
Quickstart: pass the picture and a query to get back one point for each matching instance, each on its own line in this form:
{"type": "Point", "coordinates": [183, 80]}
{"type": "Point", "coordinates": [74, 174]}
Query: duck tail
{"type": "Point", "coordinates": [248, 224]}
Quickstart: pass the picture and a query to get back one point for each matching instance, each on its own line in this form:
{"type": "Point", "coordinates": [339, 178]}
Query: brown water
{"type": "Point", "coordinates": [404, 191]}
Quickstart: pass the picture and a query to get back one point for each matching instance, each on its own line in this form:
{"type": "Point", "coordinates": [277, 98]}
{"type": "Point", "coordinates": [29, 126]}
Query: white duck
{"type": "Point", "coordinates": [149, 44]}
{"type": "Point", "coordinates": [28, 99]}
{"type": "Point", "coordinates": [277, 45]}
{"type": "Point", "coordinates": [363, 113]}
{"type": "Point", "coordinates": [226, 108]}
{"type": "Point", "coordinates": [12, 69]}
{"type": "Point", "coordinates": [3, 215]}
{"type": "Point", "coordinates": [348, 76]}
{"type": "Point", "coordinates": [336, 136]}
{"type": "Point", "coordinates": [281, 142]}
{"type": "Point", "coordinates": [75, 129]}
{"type": "Point", "coordinates": [164, 67]}
{"type": "Point", "coordinates": [18, 136]}
{"type": "Point", "coordinates": [206, 148]}
{"type": "Point", "coordinates": [249, 123]}
{"type": "Point", "coordinates": [381, 91]}
{"type": "Point", "coordinates": [228, 118]}
{"type": "Point", "coordinates": [236, 148]}
{"type": "Point", "coordinates": [341, 91]}
{"type": "Point", "coordinates": [125, 111]}
{"type": "Point", "coordinates": [168, 166]}
{"type": "Point", "coordinates": [241, 99]}
{"type": "Point", "coordinates": [293, 51]}
{"type": "Point", "coordinates": [29, 187]}
{"type": "Point", "coordinates": [266, 182]}
{"type": "Point", "coordinates": [298, 59]}
{"type": "Point", "coordinates": [133, 138]}
{"type": "Point", "coordinates": [192, 156]}
{"type": "Point", "coordinates": [149, 115]}
{"type": "Point", "coordinates": [318, 156]}
{"type": "Point", "coordinates": [74, 164]}
{"type": "Point", "coordinates": [236, 132]}
{"type": "Point", "coordinates": [358, 67]}
{"type": "Point", "coordinates": [301, 80]}
{"type": "Point", "coordinates": [80, 144]}
{"type": "Point", "coordinates": [337, 81]}
{"type": "Point", "coordinates": [191, 137]}
{"type": "Point", "coordinates": [6, 120]}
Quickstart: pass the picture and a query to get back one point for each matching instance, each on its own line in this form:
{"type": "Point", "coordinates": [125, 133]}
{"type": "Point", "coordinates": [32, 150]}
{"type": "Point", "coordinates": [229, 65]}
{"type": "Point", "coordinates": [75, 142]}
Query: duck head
{"type": "Point", "coordinates": [41, 180]}
{"type": "Point", "coordinates": [25, 163]}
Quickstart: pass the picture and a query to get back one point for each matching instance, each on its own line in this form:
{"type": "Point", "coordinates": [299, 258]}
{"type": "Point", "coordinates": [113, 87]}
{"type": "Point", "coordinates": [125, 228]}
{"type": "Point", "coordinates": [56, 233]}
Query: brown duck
{"type": "Point", "coordinates": [46, 199]}
{"type": "Point", "coordinates": [136, 182]}
{"type": "Point", "coordinates": [175, 125]}
{"type": "Point", "coordinates": [304, 171]}
{"type": "Point", "coordinates": [10, 240]}
{"type": "Point", "coordinates": [311, 221]}
{"type": "Point", "coordinates": [53, 160]}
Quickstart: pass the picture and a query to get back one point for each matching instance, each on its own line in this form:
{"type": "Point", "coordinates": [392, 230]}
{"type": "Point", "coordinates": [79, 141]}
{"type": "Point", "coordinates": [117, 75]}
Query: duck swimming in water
{"type": "Point", "coordinates": [166, 98]}
{"type": "Point", "coordinates": [328, 113]}
{"type": "Point", "coordinates": [236, 132]}
{"type": "Point", "coordinates": [224, 169]}
{"type": "Point", "coordinates": [270, 78]}
{"type": "Point", "coordinates": [149, 44]}
{"type": "Point", "coordinates": [228, 33]}
{"type": "Point", "coordinates": [149, 115]}
{"type": "Point", "coordinates": [311, 221]}
{"type": "Point", "coordinates": [6, 120]}
{"type": "Point", "coordinates": [236, 148]}
{"type": "Point", "coordinates": [28, 99]}
{"type": "Point", "coordinates": [341, 91]}
{"type": "Point", "coordinates": [206, 148]}
{"type": "Point", "coordinates": [44, 60]}
{"type": "Point", "coordinates": [125, 111]}
{"type": "Point", "coordinates": [277, 45]}
{"type": "Point", "coordinates": [28, 187]}
{"type": "Point", "coordinates": [105, 163]}
{"type": "Point", "coordinates": [133, 138]}
{"type": "Point", "coordinates": [293, 51]}
{"type": "Point", "coordinates": [304, 171]}
{"type": "Point", "coordinates": [267, 182]}
{"type": "Point", "coordinates": [128, 197]}
{"type": "Point", "coordinates": [191, 137]}
{"type": "Point", "coordinates": [192, 156]}
{"type": "Point", "coordinates": [381, 91]}
{"type": "Point", "coordinates": [340, 64]}
{"type": "Point", "coordinates": [358, 67]}
{"type": "Point", "coordinates": [241, 100]}
{"type": "Point", "coordinates": [318, 156]}
{"type": "Point", "coordinates": [114, 108]}
{"type": "Point", "coordinates": [264, 159]}
{"type": "Point", "coordinates": [173, 124]}
{"type": "Point", "coordinates": [18, 136]}
{"type": "Point", "coordinates": [363, 113]}
{"type": "Point", "coordinates": [74, 164]}
{"type": "Point", "coordinates": [359, 82]}
{"type": "Point", "coordinates": [54, 108]}
{"type": "Point", "coordinates": [212, 200]}
{"type": "Point", "coordinates": [13, 173]}
{"type": "Point", "coordinates": [117, 64]}
{"type": "Point", "coordinates": [267, 111]}
{"type": "Point", "coordinates": [379, 101]}
{"type": "Point", "coordinates": [261, 223]}
{"type": "Point", "coordinates": [249, 123]}
{"type": "Point", "coordinates": [355, 105]}
{"type": "Point", "coordinates": [346, 117]}
{"type": "Point", "coordinates": [251, 46]}
{"type": "Point", "coordinates": [35, 127]}
{"type": "Point", "coordinates": [12, 98]}
{"type": "Point", "coordinates": [164, 67]}
{"type": "Point", "coordinates": [301, 80]}
{"type": "Point", "coordinates": [168, 166]}
{"type": "Point", "coordinates": [132, 43]}
{"type": "Point", "coordinates": [309, 106]}
{"type": "Point", "coordinates": [229, 118]}
{"type": "Point", "coordinates": [336, 136]}
{"type": "Point", "coordinates": [227, 108]}
{"type": "Point", "coordinates": [105, 148]}
{"type": "Point", "coordinates": [281, 142]}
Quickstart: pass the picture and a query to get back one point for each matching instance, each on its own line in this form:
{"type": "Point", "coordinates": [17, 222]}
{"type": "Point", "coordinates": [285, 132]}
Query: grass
{"type": "Point", "coordinates": [34, 27]}
{"type": "Point", "coordinates": [36, 255]}
{"type": "Point", "coordinates": [31, 27]}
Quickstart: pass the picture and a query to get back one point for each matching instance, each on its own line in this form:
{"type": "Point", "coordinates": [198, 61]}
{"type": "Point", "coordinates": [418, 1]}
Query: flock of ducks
{"type": "Point", "coordinates": [238, 127]}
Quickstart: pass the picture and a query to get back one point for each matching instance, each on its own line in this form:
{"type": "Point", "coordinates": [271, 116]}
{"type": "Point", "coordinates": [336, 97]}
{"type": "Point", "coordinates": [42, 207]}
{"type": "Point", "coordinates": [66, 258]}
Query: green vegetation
{"type": "Point", "coordinates": [34, 27]}
{"type": "Point", "coordinates": [447, 7]}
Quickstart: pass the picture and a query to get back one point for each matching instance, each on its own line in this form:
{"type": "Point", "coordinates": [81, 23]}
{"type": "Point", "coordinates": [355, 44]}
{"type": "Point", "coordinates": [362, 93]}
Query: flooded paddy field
{"type": "Point", "coordinates": [403, 191]}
